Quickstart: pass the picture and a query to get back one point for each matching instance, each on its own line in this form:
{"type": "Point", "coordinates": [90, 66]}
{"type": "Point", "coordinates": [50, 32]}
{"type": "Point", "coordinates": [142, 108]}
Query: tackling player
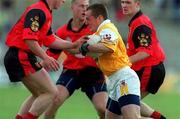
{"type": "Point", "coordinates": [79, 71]}
{"type": "Point", "coordinates": [25, 39]}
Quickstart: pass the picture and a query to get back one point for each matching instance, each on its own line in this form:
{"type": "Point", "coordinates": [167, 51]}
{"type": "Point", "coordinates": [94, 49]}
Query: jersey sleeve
{"type": "Point", "coordinates": [142, 39]}
{"type": "Point", "coordinates": [54, 52]}
{"type": "Point", "coordinates": [34, 20]}
{"type": "Point", "coordinates": [109, 38]}
{"type": "Point", "coordinates": [50, 38]}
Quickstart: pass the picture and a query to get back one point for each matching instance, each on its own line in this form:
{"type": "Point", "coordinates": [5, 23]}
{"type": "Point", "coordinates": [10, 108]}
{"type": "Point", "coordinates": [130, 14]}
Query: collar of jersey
{"type": "Point", "coordinates": [45, 2]}
{"type": "Point", "coordinates": [69, 26]}
{"type": "Point", "coordinates": [104, 22]}
{"type": "Point", "coordinates": [139, 13]}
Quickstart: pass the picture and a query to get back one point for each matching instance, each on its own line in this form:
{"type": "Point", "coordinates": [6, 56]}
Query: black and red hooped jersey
{"type": "Point", "coordinates": [142, 37]}
{"type": "Point", "coordinates": [34, 24]}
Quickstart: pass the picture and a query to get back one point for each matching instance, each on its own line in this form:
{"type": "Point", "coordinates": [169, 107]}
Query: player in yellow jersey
{"type": "Point", "coordinates": [123, 82]}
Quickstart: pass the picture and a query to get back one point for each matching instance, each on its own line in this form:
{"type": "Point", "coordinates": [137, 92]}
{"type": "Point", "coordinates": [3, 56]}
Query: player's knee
{"type": "Point", "coordinates": [59, 99]}
{"type": "Point", "coordinates": [52, 93]}
{"type": "Point", "coordinates": [132, 116]}
{"type": "Point", "coordinates": [101, 108]}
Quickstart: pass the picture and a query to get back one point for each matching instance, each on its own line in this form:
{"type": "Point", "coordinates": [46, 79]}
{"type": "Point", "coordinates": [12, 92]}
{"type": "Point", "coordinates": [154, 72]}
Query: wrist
{"type": "Point", "coordinates": [84, 49]}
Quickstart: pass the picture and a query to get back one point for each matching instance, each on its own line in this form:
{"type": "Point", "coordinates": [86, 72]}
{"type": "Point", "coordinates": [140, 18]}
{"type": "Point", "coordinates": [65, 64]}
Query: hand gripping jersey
{"type": "Point", "coordinates": [34, 24]}
{"type": "Point", "coordinates": [112, 62]}
{"type": "Point", "coordinates": [142, 37]}
{"type": "Point", "coordinates": [72, 62]}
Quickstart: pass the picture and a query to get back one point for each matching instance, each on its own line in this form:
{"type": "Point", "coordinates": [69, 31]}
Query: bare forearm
{"type": "Point", "coordinates": [62, 44]}
{"type": "Point", "coordinates": [99, 48]}
{"type": "Point", "coordinates": [36, 49]}
{"type": "Point", "coordinates": [138, 56]}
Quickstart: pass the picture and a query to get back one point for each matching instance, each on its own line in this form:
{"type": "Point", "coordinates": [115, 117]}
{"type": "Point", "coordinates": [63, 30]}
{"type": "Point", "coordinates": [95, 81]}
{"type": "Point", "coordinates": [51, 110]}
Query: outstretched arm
{"type": "Point", "coordinates": [138, 56]}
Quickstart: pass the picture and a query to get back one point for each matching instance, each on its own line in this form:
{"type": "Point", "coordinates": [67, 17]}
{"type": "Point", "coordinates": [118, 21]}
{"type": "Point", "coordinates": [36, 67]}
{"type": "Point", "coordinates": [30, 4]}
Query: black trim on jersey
{"type": "Point", "coordinates": [142, 36]}
{"type": "Point", "coordinates": [69, 26]}
{"type": "Point", "coordinates": [55, 51]}
{"type": "Point", "coordinates": [35, 17]}
{"type": "Point", "coordinates": [33, 60]}
{"type": "Point", "coordinates": [135, 16]}
{"type": "Point", "coordinates": [49, 32]}
{"type": "Point", "coordinates": [45, 2]}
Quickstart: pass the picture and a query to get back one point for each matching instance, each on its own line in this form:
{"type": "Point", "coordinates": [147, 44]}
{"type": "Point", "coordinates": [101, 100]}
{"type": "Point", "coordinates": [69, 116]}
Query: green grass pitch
{"type": "Point", "coordinates": [79, 107]}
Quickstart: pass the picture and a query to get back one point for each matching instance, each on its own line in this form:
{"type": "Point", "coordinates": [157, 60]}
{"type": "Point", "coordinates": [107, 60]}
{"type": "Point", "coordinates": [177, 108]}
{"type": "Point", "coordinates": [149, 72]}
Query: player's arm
{"type": "Point", "coordinates": [105, 45]}
{"type": "Point", "coordinates": [142, 41]}
{"type": "Point", "coordinates": [34, 21]}
{"type": "Point", "coordinates": [138, 56]}
{"type": "Point", "coordinates": [62, 44]}
{"type": "Point", "coordinates": [99, 48]}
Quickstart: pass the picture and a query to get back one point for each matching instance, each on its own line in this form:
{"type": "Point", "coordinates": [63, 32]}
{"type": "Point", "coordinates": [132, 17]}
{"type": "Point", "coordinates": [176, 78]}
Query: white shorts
{"type": "Point", "coordinates": [123, 82]}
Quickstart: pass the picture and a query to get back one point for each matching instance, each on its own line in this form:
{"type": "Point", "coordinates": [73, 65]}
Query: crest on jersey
{"type": "Point", "coordinates": [107, 37]}
{"type": "Point", "coordinates": [124, 88]}
{"type": "Point", "coordinates": [144, 40]}
{"type": "Point", "coordinates": [35, 23]}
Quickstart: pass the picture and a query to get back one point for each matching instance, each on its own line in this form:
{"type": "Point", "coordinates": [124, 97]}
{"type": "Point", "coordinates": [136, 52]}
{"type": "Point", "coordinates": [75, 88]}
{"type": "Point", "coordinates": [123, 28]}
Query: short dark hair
{"type": "Point", "coordinates": [98, 9]}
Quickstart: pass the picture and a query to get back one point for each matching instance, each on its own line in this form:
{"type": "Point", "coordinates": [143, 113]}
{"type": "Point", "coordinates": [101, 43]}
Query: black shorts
{"type": "Point", "coordinates": [115, 106]}
{"type": "Point", "coordinates": [151, 77]}
{"type": "Point", "coordinates": [19, 64]}
{"type": "Point", "coordinates": [91, 80]}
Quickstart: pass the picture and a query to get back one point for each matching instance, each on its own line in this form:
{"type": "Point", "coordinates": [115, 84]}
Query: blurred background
{"type": "Point", "coordinates": [165, 15]}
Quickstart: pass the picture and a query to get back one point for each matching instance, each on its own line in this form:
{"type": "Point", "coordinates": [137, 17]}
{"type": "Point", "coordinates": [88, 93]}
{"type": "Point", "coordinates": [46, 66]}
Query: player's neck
{"type": "Point", "coordinates": [77, 24]}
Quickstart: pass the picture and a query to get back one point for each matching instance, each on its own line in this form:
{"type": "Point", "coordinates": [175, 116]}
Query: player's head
{"type": "Point", "coordinates": [95, 15]}
{"type": "Point", "coordinates": [79, 8]}
{"type": "Point", "coordinates": [130, 7]}
{"type": "Point", "coordinates": [55, 4]}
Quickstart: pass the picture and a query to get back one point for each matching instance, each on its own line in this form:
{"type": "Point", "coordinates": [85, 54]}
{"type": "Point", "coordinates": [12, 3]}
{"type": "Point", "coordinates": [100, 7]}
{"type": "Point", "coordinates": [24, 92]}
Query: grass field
{"type": "Point", "coordinates": [79, 107]}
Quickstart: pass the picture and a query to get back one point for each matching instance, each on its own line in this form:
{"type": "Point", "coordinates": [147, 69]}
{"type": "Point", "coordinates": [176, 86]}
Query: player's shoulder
{"type": "Point", "coordinates": [62, 28]}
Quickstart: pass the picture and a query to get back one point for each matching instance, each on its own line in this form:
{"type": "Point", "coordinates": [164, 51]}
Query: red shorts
{"type": "Point", "coordinates": [151, 77]}
{"type": "Point", "coordinates": [19, 64]}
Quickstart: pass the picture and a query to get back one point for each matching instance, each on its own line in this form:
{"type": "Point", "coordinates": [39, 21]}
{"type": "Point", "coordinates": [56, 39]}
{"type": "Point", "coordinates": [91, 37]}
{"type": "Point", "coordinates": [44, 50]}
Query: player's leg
{"type": "Point", "coordinates": [26, 106]}
{"type": "Point", "coordinates": [110, 115]}
{"type": "Point", "coordinates": [151, 80]}
{"type": "Point", "coordinates": [124, 88]}
{"type": "Point", "coordinates": [36, 80]}
{"type": "Point", "coordinates": [66, 86]}
{"type": "Point", "coordinates": [28, 102]}
{"type": "Point", "coordinates": [51, 111]}
{"type": "Point", "coordinates": [98, 96]}
{"type": "Point", "coordinates": [45, 89]}
{"type": "Point", "coordinates": [92, 81]}
{"type": "Point", "coordinates": [113, 110]}
{"type": "Point", "coordinates": [148, 111]}
{"type": "Point", "coordinates": [99, 101]}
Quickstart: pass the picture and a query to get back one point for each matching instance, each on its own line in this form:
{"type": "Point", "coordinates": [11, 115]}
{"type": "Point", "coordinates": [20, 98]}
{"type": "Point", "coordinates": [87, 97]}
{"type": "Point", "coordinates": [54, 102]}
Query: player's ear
{"type": "Point", "coordinates": [138, 3]}
{"type": "Point", "coordinates": [100, 18]}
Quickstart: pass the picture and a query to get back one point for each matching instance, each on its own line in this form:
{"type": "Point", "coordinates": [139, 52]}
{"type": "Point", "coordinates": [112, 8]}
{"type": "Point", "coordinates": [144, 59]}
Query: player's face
{"type": "Point", "coordinates": [79, 8]}
{"type": "Point", "coordinates": [92, 21]}
{"type": "Point", "coordinates": [130, 7]}
{"type": "Point", "coordinates": [57, 3]}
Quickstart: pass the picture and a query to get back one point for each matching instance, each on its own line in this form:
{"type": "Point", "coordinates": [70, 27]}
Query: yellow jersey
{"type": "Point", "coordinates": [112, 62]}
